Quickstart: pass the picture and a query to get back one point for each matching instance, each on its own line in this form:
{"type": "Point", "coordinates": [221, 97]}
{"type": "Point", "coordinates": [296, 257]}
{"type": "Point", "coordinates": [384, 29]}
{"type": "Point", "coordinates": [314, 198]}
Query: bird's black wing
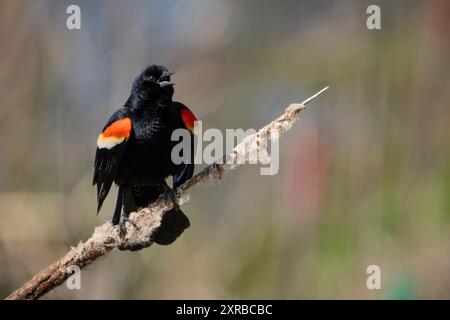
{"type": "Point", "coordinates": [186, 119]}
{"type": "Point", "coordinates": [186, 169]}
{"type": "Point", "coordinates": [111, 145]}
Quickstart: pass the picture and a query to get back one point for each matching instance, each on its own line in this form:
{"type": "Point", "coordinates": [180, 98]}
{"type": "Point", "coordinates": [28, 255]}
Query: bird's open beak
{"type": "Point", "coordinates": [164, 84]}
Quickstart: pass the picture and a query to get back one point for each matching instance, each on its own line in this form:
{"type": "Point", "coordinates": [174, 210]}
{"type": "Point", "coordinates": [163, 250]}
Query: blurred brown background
{"type": "Point", "coordinates": [364, 176]}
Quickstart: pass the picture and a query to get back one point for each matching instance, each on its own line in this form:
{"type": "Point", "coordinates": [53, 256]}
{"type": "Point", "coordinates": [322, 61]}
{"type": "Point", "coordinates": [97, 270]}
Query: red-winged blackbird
{"type": "Point", "coordinates": [134, 151]}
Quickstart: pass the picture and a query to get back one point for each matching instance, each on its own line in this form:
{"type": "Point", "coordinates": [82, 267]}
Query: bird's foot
{"type": "Point", "coordinates": [123, 227]}
{"type": "Point", "coordinates": [125, 244]}
{"type": "Point", "coordinates": [173, 197]}
{"type": "Point", "coordinates": [135, 246]}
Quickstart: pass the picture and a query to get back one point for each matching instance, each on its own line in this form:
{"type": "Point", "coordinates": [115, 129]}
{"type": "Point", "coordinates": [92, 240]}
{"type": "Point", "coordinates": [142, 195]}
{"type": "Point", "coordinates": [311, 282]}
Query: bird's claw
{"type": "Point", "coordinates": [134, 246]}
{"type": "Point", "coordinates": [173, 197]}
{"type": "Point", "coordinates": [123, 227]}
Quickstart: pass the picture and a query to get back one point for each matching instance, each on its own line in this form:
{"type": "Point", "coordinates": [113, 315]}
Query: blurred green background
{"type": "Point", "coordinates": [364, 175]}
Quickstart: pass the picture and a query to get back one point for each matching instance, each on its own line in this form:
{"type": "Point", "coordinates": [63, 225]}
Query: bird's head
{"type": "Point", "coordinates": [153, 82]}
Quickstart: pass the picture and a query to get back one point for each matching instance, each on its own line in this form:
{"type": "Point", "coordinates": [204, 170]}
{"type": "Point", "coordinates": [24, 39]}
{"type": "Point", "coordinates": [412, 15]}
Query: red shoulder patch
{"type": "Point", "coordinates": [188, 119]}
{"type": "Point", "coordinates": [119, 129]}
{"type": "Point", "coordinates": [114, 134]}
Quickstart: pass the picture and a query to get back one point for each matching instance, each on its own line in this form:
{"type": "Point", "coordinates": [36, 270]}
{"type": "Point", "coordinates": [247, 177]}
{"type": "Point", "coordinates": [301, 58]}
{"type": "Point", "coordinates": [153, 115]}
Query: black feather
{"type": "Point", "coordinates": [107, 162]}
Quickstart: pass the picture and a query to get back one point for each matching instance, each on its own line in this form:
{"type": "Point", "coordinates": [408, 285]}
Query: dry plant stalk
{"type": "Point", "coordinates": [144, 222]}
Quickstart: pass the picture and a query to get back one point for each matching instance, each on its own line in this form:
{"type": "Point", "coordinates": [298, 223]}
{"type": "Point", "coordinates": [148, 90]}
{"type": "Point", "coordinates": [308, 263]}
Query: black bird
{"type": "Point", "coordinates": [134, 151]}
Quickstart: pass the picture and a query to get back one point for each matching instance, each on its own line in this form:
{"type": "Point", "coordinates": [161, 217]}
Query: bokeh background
{"type": "Point", "coordinates": [364, 175]}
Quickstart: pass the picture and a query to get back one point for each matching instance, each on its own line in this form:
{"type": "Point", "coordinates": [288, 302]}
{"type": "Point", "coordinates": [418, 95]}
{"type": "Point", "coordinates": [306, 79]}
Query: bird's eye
{"type": "Point", "coordinates": [151, 79]}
